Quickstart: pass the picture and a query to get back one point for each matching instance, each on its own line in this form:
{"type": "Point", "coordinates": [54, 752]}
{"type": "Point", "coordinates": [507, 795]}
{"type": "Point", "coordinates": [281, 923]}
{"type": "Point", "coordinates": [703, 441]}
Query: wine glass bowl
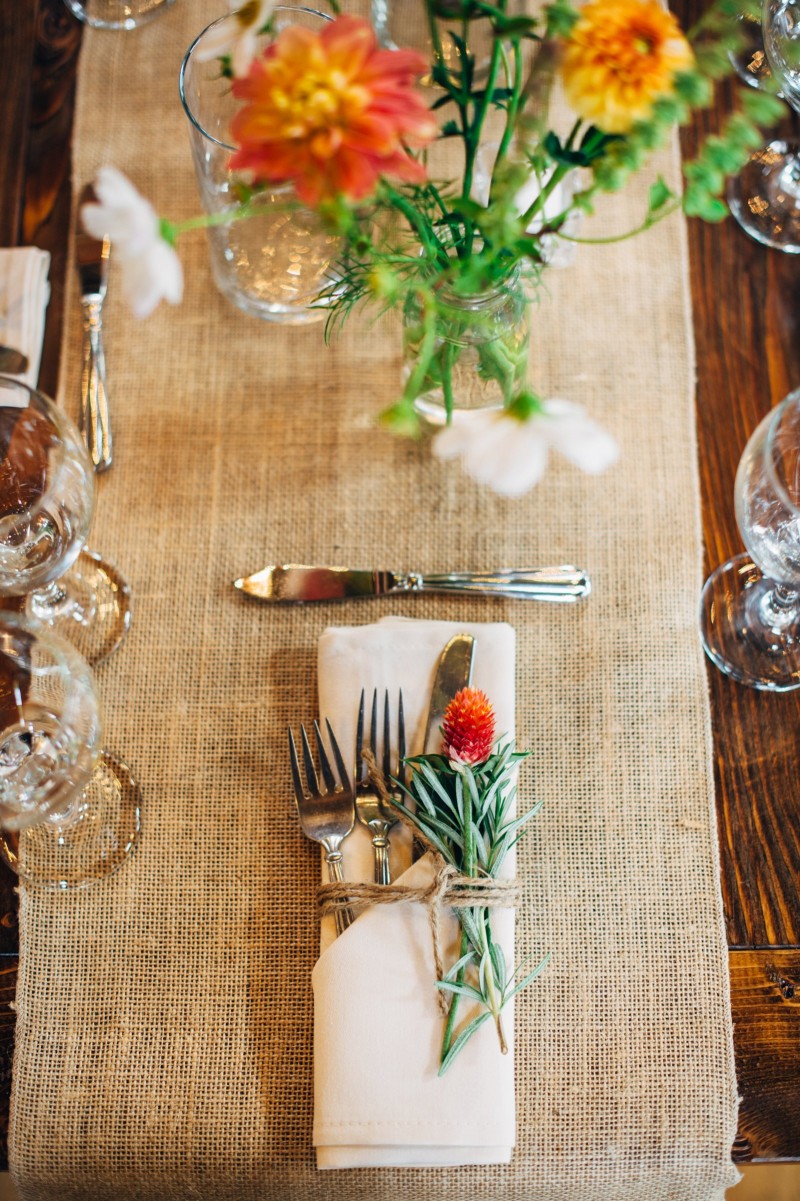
{"type": "Point", "coordinates": [750, 608]}
{"type": "Point", "coordinates": [46, 491]}
{"type": "Point", "coordinates": [765, 196]}
{"type": "Point", "coordinates": [69, 811]}
{"type": "Point", "coordinates": [47, 497]}
{"type": "Point", "coordinates": [50, 728]}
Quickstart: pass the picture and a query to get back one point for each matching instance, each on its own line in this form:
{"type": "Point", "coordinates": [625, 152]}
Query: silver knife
{"type": "Point", "coordinates": [453, 672]}
{"type": "Point", "coordinates": [92, 261]}
{"type": "Point", "coordinates": [295, 583]}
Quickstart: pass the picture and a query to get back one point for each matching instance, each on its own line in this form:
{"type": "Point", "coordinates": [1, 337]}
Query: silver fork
{"type": "Point", "coordinates": [327, 815]}
{"type": "Point", "coordinates": [371, 810]}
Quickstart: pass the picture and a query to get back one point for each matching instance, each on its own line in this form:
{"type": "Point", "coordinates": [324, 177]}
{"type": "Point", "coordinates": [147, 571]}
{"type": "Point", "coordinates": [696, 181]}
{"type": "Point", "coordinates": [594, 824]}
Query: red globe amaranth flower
{"type": "Point", "coordinates": [468, 727]}
{"type": "Point", "coordinates": [331, 113]}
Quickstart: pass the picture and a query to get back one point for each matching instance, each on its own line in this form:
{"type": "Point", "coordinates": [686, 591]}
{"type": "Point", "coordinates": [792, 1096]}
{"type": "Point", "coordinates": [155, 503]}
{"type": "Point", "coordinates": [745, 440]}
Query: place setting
{"type": "Point", "coordinates": [388, 416]}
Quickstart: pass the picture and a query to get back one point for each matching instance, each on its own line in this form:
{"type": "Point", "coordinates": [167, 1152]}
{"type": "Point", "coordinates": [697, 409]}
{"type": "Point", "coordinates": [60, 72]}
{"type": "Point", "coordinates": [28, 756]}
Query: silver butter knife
{"type": "Point", "coordinates": [453, 672]}
{"type": "Point", "coordinates": [296, 583]}
{"type": "Point", "coordinates": [92, 262]}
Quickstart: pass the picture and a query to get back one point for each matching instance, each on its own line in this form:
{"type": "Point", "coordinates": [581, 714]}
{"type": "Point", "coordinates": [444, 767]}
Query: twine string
{"type": "Point", "coordinates": [448, 887]}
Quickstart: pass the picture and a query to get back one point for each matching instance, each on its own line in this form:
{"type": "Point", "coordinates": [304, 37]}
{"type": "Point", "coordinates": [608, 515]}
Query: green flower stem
{"type": "Point", "coordinates": [490, 986]}
{"type": "Point", "coordinates": [172, 230]}
{"type": "Point", "coordinates": [665, 211]}
{"type": "Point", "coordinates": [472, 136]}
{"type": "Point", "coordinates": [416, 380]}
{"type": "Point", "coordinates": [434, 31]}
{"type": "Point", "coordinates": [560, 171]}
{"type": "Point", "coordinates": [468, 870]}
{"type": "Point", "coordinates": [511, 114]}
{"type": "Point", "coordinates": [448, 354]}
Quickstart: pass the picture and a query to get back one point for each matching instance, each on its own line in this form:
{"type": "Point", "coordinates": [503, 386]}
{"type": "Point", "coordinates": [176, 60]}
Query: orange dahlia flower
{"type": "Point", "coordinates": [331, 113]}
{"type": "Point", "coordinates": [620, 56]}
{"type": "Point", "coordinates": [468, 727]}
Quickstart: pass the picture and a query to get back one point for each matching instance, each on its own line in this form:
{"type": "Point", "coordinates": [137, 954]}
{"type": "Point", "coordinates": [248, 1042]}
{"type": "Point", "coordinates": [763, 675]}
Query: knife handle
{"type": "Point", "coordinates": [562, 584]}
{"type": "Point", "coordinates": [95, 420]}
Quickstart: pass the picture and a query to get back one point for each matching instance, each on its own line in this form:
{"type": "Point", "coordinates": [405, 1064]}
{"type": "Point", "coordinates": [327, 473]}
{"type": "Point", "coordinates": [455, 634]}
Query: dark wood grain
{"type": "Point", "coordinates": [746, 314]}
{"type": "Point", "coordinates": [765, 986]}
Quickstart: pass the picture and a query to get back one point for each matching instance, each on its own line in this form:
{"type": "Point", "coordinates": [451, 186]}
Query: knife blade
{"type": "Point", "coordinates": [295, 583]}
{"type": "Point", "coordinates": [91, 256]}
{"type": "Point", "coordinates": [453, 672]}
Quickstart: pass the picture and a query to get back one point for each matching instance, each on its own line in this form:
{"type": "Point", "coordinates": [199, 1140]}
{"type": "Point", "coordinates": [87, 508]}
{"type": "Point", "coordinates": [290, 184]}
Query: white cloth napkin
{"type": "Point", "coordinates": [377, 1025]}
{"type": "Point", "coordinates": [24, 294]}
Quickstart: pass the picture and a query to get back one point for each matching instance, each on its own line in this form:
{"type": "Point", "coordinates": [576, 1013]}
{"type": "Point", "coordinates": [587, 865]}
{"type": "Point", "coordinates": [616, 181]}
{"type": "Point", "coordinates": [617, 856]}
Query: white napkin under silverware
{"type": "Point", "coordinates": [24, 295]}
{"type": "Point", "coordinates": [377, 1025]}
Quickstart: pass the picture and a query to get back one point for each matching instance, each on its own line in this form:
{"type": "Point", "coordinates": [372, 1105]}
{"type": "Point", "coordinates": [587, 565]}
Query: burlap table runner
{"type": "Point", "coordinates": [164, 1019]}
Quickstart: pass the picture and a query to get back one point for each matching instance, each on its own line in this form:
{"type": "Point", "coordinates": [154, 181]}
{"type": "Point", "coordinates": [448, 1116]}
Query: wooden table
{"type": "Point", "coordinates": [747, 323]}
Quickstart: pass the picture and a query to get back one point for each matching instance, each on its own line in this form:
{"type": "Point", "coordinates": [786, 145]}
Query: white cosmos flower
{"type": "Point", "coordinates": [237, 34]}
{"type": "Point", "coordinates": [509, 455]}
{"type": "Point", "coordinates": [150, 269]}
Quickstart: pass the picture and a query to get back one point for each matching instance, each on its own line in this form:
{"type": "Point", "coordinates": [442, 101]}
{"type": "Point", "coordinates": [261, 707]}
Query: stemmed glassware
{"type": "Point", "coordinates": [69, 812]}
{"type": "Point", "coordinates": [750, 609]}
{"type": "Point", "coordinates": [47, 491]}
{"type": "Point", "coordinates": [765, 196]}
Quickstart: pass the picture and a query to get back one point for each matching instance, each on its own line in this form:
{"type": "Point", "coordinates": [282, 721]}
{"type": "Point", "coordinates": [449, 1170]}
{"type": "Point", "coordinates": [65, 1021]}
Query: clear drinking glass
{"type": "Point", "coordinates": [47, 491]}
{"type": "Point", "coordinates": [272, 265]}
{"type": "Point", "coordinates": [765, 196]}
{"type": "Point", "coordinates": [750, 608]}
{"type": "Point", "coordinates": [116, 14]}
{"type": "Point", "coordinates": [69, 812]}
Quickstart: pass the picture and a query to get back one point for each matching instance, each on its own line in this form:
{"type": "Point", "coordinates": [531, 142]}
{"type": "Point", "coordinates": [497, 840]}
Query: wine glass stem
{"type": "Point", "coordinates": [778, 607]}
{"type": "Point", "coordinates": [50, 602]}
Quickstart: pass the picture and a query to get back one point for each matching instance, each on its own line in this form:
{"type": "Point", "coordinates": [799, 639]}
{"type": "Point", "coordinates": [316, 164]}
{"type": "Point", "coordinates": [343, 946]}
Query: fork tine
{"type": "Point", "coordinates": [387, 738]}
{"type": "Point", "coordinates": [311, 771]}
{"type": "Point", "coordinates": [337, 754]}
{"type": "Point", "coordinates": [360, 766]}
{"type": "Point", "coordinates": [373, 726]}
{"type": "Point", "coordinates": [330, 779]}
{"type": "Point", "coordinates": [401, 736]}
{"type": "Point", "coordinates": [299, 794]}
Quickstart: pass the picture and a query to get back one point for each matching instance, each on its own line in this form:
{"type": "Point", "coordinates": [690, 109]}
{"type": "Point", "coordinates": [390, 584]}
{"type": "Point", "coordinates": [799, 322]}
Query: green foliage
{"type": "Point", "coordinates": [422, 240]}
{"type": "Point", "coordinates": [465, 813]}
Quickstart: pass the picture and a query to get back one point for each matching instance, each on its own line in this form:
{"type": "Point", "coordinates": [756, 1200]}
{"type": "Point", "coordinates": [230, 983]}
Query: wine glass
{"type": "Point", "coordinates": [750, 609]}
{"type": "Point", "coordinates": [69, 811]}
{"type": "Point", "coordinates": [765, 196]}
{"type": "Point", "coordinates": [47, 492]}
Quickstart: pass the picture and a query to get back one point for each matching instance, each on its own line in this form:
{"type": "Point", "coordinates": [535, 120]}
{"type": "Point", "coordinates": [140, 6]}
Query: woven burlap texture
{"type": "Point", "coordinates": [164, 1018]}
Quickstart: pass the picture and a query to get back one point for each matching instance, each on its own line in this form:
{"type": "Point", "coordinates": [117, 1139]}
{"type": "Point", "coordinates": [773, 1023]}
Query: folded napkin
{"type": "Point", "coordinates": [377, 1023]}
{"type": "Point", "coordinates": [24, 293]}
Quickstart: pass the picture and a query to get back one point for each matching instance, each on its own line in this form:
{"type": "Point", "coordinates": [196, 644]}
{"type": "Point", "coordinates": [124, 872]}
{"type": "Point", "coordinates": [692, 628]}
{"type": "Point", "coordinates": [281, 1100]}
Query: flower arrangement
{"type": "Point", "coordinates": [462, 803]}
{"type": "Point", "coordinates": [348, 125]}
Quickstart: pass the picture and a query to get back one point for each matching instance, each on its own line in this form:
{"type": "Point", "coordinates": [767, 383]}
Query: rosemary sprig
{"type": "Point", "coordinates": [466, 813]}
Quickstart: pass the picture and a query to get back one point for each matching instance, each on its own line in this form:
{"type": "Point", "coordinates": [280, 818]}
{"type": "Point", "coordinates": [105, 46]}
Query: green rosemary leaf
{"type": "Point", "coordinates": [431, 777]}
{"type": "Point", "coordinates": [462, 1040]}
{"type": "Point", "coordinates": [472, 927]}
{"type": "Point", "coordinates": [499, 965]}
{"type": "Point", "coordinates": [526, 980]}
{"type": "Point", "coordinates": [481, 849]}
{"type": "Point", "coordinates": [463, 990]}
{"type": "Point", "coordinates": [457, 966]}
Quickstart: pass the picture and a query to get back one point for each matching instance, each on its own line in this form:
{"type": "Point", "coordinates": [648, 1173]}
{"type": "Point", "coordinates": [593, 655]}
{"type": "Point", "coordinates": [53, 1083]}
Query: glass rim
{"type": "Point", "coordinates": [774, 420]}
{"type": "Point", "coordinates": [63, 425]}
{"type": "Point", "coordinates": [296, 8]}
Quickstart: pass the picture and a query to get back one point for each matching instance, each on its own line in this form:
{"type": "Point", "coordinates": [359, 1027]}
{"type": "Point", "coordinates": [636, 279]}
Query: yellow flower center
{"type": "Point", "coordinates": [248, 13]}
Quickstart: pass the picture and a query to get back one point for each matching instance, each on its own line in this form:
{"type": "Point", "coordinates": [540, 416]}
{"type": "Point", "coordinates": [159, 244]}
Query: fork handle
{"type": "Point", "coordinates": [380, 844]}
{"type": "Point", "coordinates": [342, 917]}
{"type": "Point", "coordinates": [95, 420]}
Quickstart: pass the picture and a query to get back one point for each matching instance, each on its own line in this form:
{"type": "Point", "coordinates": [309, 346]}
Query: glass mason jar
{"type": "Point", "coordinates": [479, 356]}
